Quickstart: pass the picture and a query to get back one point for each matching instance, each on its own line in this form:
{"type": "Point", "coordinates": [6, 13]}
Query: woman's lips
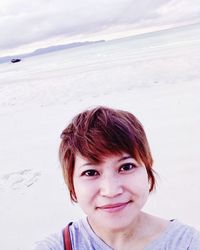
{"type": "Point", "coordinates": [113, 207]}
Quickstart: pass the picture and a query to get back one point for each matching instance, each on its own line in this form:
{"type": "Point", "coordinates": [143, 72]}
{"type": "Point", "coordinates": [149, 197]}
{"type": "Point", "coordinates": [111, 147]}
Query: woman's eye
{"type": "Point", "coordinates": [127, 167]}
{"type": "Point", "coordinates": [90, 172]}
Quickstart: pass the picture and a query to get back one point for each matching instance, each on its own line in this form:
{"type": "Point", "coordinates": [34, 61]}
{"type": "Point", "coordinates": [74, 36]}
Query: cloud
{"type": "Point", "coordinates": [180, 11]}
{"type": "Point", "coordinates": [24, 22]}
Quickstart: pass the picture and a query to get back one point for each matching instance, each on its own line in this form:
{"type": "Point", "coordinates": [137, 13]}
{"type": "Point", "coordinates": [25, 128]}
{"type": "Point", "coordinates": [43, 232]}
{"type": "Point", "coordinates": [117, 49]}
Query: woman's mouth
{"type": "Point", "coordinates": [116, 207]}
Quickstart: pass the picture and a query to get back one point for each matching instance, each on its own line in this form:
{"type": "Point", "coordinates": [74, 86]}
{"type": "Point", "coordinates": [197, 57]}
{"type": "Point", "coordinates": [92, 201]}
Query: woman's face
{"type": "Point", "coordinates": [113, 192]}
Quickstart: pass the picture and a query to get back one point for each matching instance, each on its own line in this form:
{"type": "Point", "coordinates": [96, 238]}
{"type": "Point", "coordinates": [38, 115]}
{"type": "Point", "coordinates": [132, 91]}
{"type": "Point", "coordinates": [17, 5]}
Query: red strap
{"type": "Point", "coordinates": [67, 240]}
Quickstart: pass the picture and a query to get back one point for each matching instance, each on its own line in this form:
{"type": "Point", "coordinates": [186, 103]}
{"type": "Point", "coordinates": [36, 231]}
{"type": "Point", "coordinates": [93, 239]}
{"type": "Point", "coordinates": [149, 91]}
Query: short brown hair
{"type": "Point", "coordinates": [100, 132]}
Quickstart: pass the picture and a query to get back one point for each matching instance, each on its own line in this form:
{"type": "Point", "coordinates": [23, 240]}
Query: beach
{"type": "Point", "coordinates": [155, 76]}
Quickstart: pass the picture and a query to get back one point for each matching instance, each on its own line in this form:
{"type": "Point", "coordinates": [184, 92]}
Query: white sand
{"type": "Point", "coordinates": [159, 82]}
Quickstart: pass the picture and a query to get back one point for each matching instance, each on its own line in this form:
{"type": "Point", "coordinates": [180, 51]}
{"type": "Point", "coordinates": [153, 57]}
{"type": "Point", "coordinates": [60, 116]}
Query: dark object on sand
{"type": "Point", "coordinates": [15, 60]}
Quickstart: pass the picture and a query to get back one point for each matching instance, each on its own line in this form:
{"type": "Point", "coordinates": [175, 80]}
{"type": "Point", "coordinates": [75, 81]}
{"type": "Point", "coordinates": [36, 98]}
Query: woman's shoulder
{"type": "Point", "coordinates": [80, 235]}
{"type": "Point", "coordinates": [51, 242]}
{"type": "Point", "coordinates": [188, 235]}
{"type": "Point", "coordinates": [177, 236]}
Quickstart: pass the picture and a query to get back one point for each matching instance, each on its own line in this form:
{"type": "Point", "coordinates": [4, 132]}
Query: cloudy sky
{"type": "Point", "coordinates": [26, 25]}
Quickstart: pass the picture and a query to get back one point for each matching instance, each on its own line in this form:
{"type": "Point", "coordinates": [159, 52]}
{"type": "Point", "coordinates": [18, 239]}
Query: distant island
{"type": "Point", "coordinates": [48, 50]}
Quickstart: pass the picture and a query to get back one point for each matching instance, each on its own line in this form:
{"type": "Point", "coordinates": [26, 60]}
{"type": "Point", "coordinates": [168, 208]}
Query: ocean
{"type": "Point", "coordinates": [156, 76]}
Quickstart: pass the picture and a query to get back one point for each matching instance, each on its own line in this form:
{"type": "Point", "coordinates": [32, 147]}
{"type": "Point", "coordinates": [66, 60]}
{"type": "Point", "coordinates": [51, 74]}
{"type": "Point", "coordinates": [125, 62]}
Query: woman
{"type": "Point", "coordinates": [107, 166]}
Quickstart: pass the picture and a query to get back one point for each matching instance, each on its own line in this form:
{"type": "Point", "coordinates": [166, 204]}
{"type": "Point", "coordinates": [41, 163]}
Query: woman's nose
{"type": "Point", "coordinates": [110, 186]}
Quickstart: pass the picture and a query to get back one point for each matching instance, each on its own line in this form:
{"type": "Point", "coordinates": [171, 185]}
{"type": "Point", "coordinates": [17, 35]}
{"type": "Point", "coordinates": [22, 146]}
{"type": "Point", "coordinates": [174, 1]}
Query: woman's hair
{"type": "Point", "coordinates": [98, 133]}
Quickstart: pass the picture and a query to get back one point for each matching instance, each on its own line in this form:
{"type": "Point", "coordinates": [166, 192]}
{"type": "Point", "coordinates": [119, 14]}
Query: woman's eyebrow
{"type": "Point", "coordinates": [125, 158]}
{"type": "Point", "coordinates": [86, 164]}
{"type": "Point", "coordinates": [119, 160]}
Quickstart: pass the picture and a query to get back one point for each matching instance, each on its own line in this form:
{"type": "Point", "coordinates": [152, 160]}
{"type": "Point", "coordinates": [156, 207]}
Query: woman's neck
{"type": "Point", "coordinates": [139, 233]}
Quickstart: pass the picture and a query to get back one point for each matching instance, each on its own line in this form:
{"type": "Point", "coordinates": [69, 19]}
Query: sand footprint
{"type": "Point", "coordinates": [19, 180]}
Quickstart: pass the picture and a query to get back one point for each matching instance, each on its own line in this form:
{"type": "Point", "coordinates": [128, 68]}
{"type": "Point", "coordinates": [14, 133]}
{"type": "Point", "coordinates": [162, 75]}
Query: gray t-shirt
{"type": "Point", "coordinates": [177, 236]}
